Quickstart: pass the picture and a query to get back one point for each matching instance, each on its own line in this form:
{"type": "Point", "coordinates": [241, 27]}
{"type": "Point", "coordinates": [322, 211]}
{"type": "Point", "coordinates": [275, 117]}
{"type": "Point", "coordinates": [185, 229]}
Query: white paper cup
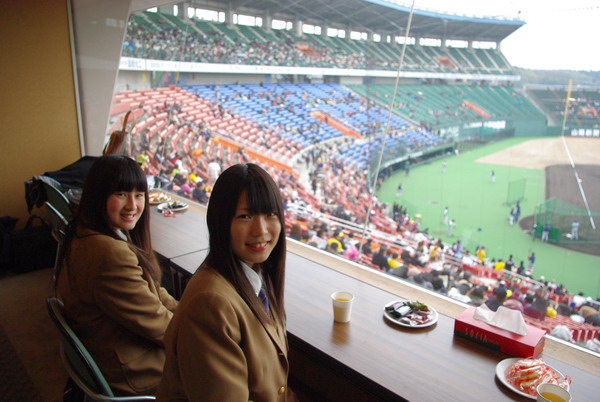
{"type": "Point", "coordinates": [342, 306]}
{"type": "Point", "coordinates": [552, 393]}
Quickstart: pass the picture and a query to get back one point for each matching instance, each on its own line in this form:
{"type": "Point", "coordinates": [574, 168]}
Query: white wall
{"type": "Point", "coordinates": [351, 80]}
{"type": "Point", "coordinates": [224, 78]}
{"type": "Point", "coordinates": [132, 80]}
{"type": "Point", "coordinates": [98, 29]}
{"type": "Point", "coordinates": [135, 80]}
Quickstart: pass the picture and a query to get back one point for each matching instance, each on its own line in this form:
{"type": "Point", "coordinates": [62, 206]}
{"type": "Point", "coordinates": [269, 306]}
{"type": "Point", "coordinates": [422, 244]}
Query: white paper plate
{"type": "Point", "coordinates": [169, 205]}
{"type": "Point", "coordinates": [433, 318]}
{"type": "Point", "coordinates": [501, 374]}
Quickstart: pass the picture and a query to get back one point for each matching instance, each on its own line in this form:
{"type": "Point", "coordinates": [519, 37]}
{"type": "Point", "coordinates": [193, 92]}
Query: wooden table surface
{"type": "Point", "coordinates": [184, 233]}
{"type": "Point", "coordinates": [370, 358]}
{"type": "Point", "coordinates": [416, 364]}
{"type": "Point", "coordinates": [188, 263]}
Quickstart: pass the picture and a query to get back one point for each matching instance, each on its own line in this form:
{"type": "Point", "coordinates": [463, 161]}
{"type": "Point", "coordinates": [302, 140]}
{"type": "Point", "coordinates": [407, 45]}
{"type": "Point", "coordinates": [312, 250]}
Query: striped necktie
{"type": "Point", "coordinates": [264, 299]}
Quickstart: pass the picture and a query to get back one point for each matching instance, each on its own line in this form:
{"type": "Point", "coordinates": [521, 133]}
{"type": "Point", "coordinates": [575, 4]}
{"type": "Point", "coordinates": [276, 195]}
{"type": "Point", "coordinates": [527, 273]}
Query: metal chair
{"type": "Point", "coordinates": [80, 365]}
{"type": "Point", "coordinates": [58, 222]}
{"type": "Point", "coordinates": [58, 200]}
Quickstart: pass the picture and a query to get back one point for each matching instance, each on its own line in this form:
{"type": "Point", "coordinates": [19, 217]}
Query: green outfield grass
{"type": "Point", "coordinates": [479, 208]}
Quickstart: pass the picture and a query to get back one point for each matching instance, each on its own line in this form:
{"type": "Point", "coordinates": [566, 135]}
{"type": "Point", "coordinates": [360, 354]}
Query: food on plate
{"type": "Point", "coordinates": [409, 312]}
{"type": "Point", "coordinates": [175, 206]}
{"type": "Point", "coordinates": [526, 374]}
{"type": "Point", "coordinates": [417, 305]}
{"type": "Point", "coordinates": [158, 197]}
{"type": "Point", "coordinates": [168, 212]}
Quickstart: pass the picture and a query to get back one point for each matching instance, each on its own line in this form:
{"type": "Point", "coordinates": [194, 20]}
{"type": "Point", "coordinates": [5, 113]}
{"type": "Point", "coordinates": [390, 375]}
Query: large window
{"type": "Point", "coordinates": [418, 143]}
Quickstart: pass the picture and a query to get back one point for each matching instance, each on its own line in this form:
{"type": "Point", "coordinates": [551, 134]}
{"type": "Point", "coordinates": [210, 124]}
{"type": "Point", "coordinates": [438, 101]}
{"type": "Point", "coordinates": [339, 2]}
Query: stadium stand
{"type": "Point", "coordinates": [163, 36]}
{"type": "Point", "coordinates": [443, 105]}
{"type": "Point", "coordinates": [584, 105]}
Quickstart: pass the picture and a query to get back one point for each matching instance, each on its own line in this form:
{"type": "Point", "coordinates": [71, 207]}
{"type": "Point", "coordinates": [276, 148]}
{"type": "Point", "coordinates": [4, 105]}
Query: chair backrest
{"type": "Point", "coordinates": [58, 221]}
{"type": "Point", "coordinates": [80, 365]}
{"type": "Point", "coordinates": [58, 200]}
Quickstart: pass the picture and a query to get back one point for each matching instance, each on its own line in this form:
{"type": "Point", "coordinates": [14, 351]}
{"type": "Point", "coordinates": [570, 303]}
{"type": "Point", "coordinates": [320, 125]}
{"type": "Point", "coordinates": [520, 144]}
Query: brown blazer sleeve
{"type": "Point", "coordinates": [211, 324]}
{"type": "Point", "coordinates": [169, 301]}
{"type": "Point", "coordinates": [123, 292]}
{"type": "Point", "coordinates": [218, 350]}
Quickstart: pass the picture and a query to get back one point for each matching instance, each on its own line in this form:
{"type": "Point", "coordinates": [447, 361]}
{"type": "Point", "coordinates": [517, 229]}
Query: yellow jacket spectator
{"type": "Point", "coordinates": [334, 240]}
{"type": "Point", "coordinates": [143, 160]}
{"type": "Point", "coordinates": [393, 261]}
{"type": "Point", "coordinates": [480, 253]}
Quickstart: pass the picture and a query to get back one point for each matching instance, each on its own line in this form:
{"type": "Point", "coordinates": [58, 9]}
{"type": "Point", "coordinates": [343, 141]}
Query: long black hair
{"type": "Point", "coordinates": [109, 174]}
{"type": "Point", "coordinates": [263, 198]}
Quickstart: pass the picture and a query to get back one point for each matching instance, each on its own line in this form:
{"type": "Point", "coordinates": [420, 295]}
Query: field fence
{"type": "Point", "coordinates": [567, 223]}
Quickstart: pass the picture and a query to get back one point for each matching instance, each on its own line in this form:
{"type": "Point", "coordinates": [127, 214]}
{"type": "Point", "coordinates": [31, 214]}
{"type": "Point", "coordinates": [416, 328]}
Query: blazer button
{"type": "Point", "coordinates": [281, 390]}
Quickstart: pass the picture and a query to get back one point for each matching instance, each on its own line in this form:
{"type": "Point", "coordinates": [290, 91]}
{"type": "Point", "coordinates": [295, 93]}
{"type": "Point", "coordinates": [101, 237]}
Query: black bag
{"type": "Point", "coordinates": [7, 225]}
{"type": "Point", "coordinates": [32, 247]}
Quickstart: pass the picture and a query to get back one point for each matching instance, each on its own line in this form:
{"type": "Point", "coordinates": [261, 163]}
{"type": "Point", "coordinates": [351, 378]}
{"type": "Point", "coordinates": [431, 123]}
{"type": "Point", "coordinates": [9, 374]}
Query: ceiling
{"type": "Point", "coordinates": [377, 16]}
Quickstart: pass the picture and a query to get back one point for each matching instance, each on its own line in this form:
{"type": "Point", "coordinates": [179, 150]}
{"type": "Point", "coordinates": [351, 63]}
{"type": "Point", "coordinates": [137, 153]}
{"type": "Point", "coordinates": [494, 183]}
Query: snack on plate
{"type": "Point", "coordinates": [526, 374]}
{"type": "Point", "coordinates": [158, 197]}
{"type": "Point", "coordinates": [410, 312]}
{"type": "Point", "coordinates": [168, 212]}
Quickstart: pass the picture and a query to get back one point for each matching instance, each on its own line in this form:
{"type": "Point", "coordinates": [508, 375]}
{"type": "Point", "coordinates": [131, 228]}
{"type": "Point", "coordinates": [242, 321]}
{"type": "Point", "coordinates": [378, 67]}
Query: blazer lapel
{"type": "Point", "coordinates": [275, 330]}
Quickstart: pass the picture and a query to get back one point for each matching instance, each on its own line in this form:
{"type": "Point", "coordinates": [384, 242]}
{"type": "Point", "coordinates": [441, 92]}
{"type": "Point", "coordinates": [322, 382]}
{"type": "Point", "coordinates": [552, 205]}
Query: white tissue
{"type": "Point", "coordinates": [505, 318]}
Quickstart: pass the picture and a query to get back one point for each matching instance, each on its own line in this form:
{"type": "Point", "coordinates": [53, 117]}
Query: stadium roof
{"type": "Point", "coordinates": [378, 16]}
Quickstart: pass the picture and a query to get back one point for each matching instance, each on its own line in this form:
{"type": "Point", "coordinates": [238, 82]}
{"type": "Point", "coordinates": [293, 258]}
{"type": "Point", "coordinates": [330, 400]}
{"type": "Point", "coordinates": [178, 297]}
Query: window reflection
{"type": "Point", "coordinates": [333, 136]}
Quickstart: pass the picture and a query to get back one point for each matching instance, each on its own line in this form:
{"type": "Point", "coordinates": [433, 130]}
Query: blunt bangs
{"type": "Point", "coordinates": [262, 197]}
{"type": "Point", "coordinates": [110, 173]}
{"type": "Point", "coordinates": [128, 178]}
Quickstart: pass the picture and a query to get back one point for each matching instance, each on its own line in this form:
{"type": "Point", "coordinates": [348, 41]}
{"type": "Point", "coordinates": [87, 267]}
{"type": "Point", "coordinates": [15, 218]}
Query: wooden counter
{"type": "Point", "coordinates": [184, 233]}
{"type": "Point", "coordinates": [370, 358]}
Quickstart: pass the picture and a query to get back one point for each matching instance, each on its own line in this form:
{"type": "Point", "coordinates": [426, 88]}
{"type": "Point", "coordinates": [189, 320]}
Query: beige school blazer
{"type": "Point", "coordinates": [117, 310]}
{"type": "Point", "coordinates": [218, 350]}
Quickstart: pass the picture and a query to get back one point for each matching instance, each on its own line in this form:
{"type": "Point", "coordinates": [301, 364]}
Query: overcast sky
{"type": "Point", "coordinates": [558, 34]}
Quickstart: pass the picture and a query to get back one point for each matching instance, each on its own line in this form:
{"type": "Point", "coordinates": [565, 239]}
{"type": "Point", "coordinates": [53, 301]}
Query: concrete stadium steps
{"type": "Point", "coordinates": [251, 33]}
{"type": "Point", "coordinates": [485, 59]}
{"type": "Point", "coordinates": [159, 20]}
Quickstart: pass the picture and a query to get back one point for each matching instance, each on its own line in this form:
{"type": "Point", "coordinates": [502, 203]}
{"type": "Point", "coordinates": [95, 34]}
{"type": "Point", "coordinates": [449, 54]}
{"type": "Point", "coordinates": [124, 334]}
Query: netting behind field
{"type": "Point", "coordinates": [568, 223]}
{"type": "Point", "coordinates": [516, 191]}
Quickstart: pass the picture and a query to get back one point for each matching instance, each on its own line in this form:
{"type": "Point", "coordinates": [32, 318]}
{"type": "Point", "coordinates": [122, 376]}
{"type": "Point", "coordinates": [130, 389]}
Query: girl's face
{"type": "Point", "coordinates": [253, 237]}
{"type": "Point", "coordinates": [124, 208]}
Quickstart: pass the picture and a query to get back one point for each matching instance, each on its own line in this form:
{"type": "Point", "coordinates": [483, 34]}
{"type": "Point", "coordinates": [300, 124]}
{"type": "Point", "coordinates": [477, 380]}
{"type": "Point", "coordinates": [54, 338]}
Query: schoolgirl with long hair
{"type": "Point", "coordinates": [227, 340]}
{"type": "Point", "coordinates": [109, 279]}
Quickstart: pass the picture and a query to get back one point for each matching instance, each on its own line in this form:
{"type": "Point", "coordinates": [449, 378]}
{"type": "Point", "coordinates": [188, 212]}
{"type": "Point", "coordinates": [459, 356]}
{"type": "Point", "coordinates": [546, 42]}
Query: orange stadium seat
{"type": "Point", "coordinates": [120, 108]}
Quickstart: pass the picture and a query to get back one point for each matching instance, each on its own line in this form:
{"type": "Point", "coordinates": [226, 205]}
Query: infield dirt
{"type": "Point", "coordinates": [544, 152]}
{"type": "Point", "coordinates": [551, 155]}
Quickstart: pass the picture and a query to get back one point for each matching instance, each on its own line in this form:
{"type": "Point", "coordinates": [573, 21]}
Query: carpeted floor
{"type": "Point", "coordinates": [15, 383]}
{"type": "Point", "coordinates": [30, 365]}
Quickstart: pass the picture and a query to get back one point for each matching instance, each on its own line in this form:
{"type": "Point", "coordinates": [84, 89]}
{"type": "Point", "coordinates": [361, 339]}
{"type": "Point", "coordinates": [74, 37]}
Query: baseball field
{"type": "Point", "coordinates": [479, 201]}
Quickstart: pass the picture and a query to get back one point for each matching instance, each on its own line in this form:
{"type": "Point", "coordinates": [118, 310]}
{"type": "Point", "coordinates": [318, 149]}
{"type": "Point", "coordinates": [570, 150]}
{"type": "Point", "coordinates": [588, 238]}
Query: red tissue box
{"type": "Point", "coordinates": [529, 345]}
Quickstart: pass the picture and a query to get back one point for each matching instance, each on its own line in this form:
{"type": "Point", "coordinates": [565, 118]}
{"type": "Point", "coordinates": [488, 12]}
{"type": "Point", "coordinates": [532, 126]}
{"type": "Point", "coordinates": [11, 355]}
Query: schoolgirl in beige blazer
{"type": "Point", "coordinates": [109, 279]}
{"type": "Point", "coordinates": [225, 342]}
